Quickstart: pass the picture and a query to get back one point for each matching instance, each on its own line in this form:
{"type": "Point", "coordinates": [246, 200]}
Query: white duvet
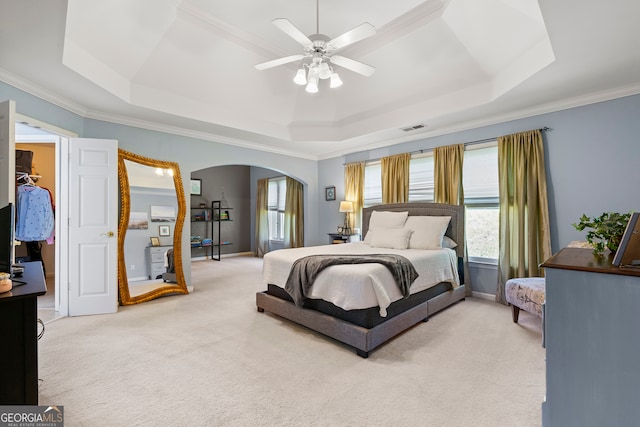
{"type": "Point", "coordinates": [358, 286]}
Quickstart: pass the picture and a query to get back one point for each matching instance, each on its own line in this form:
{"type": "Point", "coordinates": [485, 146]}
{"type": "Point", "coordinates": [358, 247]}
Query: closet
{"type": "Point", "coordinates": [36, 190]}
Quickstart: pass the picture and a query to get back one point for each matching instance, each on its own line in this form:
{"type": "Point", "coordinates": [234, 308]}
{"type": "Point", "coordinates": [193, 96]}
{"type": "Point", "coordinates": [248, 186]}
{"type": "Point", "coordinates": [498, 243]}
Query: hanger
{"type": "Point", "coordinates": [23, 176]}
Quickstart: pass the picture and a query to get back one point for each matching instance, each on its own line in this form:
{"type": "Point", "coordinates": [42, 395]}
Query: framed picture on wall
{"type": "Point", "coordinates": [164, 230]}
{"type": "Point", "coordinates": [163, 213]}
{"type": "Point", "coordinates": [330, 193]}
{"type": "Point", "coordinates": [155, 241]}
{"type": "Point", "coordinates": [196, 187]}
{"type": "Point", "coordinates": [138, 221]}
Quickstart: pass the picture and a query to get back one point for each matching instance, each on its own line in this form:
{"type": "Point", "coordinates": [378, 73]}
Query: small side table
{"type": "Point", "coordinates": [343, 238]}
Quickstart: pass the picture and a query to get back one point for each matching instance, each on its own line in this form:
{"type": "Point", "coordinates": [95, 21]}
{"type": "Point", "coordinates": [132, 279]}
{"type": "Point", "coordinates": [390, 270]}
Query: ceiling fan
{"type": "Point", "coordinates": [320, 49]}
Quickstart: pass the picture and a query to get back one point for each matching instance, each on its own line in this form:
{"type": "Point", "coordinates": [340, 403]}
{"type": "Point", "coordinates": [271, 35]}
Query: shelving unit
{"type": "Point", "coordinates": [220, 215]}
{"type": "Point", "coordinates": [202, 216]}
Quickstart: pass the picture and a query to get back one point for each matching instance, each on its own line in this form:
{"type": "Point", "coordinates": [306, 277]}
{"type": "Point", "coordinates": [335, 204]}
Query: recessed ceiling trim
{"type": "Point", "coordinates": [565, 104]}
{"type": "Point", "coordinates": [410, 21]}
{"type": "Point", "coordinates": [44, 94]}
{"type": "Point", "coordinates": [205, 136]}
{"type": "Point", "coordinates": [82, 111]}
{"type": "Point", "coordinates": [215, 25]}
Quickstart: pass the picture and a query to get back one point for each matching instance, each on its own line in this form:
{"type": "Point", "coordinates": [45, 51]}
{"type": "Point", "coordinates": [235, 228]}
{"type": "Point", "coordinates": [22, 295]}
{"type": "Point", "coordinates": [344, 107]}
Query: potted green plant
{"type": "Point", "coordinates": [605, 231]}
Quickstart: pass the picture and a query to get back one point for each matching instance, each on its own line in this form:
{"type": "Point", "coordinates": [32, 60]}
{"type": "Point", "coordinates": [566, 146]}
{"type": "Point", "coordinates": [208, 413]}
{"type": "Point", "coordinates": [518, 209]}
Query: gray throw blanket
{"type": "Point", "coordinates": [305, 270]}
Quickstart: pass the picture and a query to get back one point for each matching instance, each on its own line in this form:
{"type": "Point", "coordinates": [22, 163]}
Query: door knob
{"type": "Point", "coordinates": [109, 234]}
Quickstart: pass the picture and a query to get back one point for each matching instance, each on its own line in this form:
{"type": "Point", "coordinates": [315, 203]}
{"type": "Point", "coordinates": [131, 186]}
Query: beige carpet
{"type": "Point", "coordinates": [210, 359]}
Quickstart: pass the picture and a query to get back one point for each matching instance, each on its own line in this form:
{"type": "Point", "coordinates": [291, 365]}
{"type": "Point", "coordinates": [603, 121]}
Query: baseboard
{"type": "Point", "coordinates": [483, 295]}
{"type": "Point", "coordinates": [237, 254]}
{"type": "Point", "coordinates": [234, 254]}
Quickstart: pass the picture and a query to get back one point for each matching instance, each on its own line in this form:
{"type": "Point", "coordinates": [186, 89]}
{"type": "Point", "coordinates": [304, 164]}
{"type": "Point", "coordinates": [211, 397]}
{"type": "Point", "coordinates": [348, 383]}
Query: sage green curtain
{"type": "Point", "coordinates": [262, 217]}
{"type": "Point", "coordinates": [395, 178]}
{"type": "Point", "coordinates": [354, 191]}
{"type": "Point", "coordinates": [294, 214]}
{"type": "Point", "coordinates": [448, 162]}
{"type": "Point", "coordinates": [524, 211]}
{"type": "Point", "coordinates": [448, 174]}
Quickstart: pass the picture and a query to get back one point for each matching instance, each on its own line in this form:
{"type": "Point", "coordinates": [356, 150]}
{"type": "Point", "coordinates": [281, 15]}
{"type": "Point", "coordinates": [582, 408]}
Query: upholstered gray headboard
{"type": "Point", "coordinates": [456, 212]}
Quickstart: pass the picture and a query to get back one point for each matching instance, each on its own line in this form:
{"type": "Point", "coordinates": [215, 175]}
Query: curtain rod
{"type": "Point", "coordinates": [479, 141]}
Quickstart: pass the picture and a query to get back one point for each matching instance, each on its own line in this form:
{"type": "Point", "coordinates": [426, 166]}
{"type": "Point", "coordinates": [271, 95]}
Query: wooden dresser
{"type": "Point", "coordinates": [592, 333]}
{"type": "Point", "coordinates": [18, 335]}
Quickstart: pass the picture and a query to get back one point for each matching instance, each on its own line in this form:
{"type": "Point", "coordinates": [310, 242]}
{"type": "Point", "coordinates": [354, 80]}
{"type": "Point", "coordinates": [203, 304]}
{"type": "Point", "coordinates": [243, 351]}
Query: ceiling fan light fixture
{"type": "Point", "coordinates": [335, 81]}
{"type": "Point", "coordinates": [301, 77]}
{"type": "Point", "coordinates": [312, 85]}
{"type": "Point", "coordinates": [319, 53]}
{"type": "Point", "coordinates": [324, 71]}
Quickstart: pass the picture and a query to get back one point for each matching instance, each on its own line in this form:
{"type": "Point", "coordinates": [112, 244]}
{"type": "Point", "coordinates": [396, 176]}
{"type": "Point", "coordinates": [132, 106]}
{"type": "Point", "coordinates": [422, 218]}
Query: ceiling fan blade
{"type": "Point", "coordinates": [355, 66]}
{"type": "Point", "coordinates": [292, 31]}
{"type": "Point", "coordinates": [360, 32]}
{"type": "Point", "coordinates": [279, 61]}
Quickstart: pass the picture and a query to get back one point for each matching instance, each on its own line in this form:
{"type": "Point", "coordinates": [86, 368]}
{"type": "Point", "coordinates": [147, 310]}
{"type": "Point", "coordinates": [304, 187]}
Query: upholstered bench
{"type": "Point", "coordinates": [525, 293]}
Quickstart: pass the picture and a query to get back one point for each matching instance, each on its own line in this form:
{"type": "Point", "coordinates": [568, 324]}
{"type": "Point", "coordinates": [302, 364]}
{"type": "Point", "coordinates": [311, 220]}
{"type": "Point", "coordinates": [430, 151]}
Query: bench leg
{"type": "Point", "coordinates": [515, 312]}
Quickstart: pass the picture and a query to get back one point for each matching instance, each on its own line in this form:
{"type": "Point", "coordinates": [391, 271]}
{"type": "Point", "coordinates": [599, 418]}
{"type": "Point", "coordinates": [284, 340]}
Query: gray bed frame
{"type": "Point", "coordinates": [363, 339]}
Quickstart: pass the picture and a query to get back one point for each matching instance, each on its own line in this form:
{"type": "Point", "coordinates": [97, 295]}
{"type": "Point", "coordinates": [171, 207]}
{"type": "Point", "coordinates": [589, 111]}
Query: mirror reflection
{"type": "Point", "coordinates": [152, 211]}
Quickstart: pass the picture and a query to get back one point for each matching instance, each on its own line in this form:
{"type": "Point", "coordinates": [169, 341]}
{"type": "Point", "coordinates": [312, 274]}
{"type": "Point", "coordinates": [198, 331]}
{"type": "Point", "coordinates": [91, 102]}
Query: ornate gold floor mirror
{"type": "Point", "coordinates": [152, 213]}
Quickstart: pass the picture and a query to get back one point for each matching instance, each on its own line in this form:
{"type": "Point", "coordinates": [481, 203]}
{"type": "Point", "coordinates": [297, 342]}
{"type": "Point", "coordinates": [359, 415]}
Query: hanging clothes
{"type": "Point", "coordinates": [35, 221]}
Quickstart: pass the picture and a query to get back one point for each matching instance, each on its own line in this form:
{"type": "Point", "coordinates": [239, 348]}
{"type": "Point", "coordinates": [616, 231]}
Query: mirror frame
{"type": "Point", "coordinates": [180, 287]}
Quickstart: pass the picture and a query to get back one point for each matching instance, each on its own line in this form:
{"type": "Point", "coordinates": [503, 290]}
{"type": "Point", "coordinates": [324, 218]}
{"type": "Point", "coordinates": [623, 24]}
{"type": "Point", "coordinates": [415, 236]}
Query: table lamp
{"type": "Point", "coordinates": [346, 207]}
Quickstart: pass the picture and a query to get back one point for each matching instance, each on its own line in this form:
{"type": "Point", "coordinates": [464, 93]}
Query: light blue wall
{"type": "Point", "coordinates": [592, 158]}
{"type": "Point", "coordinates": [191, 154]}
{"type": "Point", "coordinates": [592, 153]}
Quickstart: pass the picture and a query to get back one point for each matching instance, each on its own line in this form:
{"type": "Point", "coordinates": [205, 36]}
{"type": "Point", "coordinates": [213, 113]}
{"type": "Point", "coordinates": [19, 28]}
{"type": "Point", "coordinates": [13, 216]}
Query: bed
{"type": "Point", "coordinates": [361, 305]}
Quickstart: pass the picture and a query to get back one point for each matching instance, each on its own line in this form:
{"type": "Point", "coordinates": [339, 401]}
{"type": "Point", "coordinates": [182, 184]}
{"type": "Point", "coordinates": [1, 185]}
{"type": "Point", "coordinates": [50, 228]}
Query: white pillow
{"type": "Point", "coordinates": [394, 238]}
{"type": "Point", "coordinates": [427, 231]}
{"type": "Point", "coordinates": [383, 219]}
{"type": "Point", "coordinates": [449, 243]}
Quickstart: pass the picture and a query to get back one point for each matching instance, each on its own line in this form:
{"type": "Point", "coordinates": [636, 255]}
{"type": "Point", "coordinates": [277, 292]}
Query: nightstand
{"type": "Point", "coordinates": [343, 238]}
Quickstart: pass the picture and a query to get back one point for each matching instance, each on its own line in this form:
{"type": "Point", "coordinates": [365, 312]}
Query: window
{"type": "Point", "coordinates": [481, 199]}
{"type": "Point", "coordinates": [481, 194]}
{"type": "Point", "coordinates": [421, 182]}
{"type": "Point", "coordinates": [372, 184]}
{"type": "Point", "coordinates": [277, 198]}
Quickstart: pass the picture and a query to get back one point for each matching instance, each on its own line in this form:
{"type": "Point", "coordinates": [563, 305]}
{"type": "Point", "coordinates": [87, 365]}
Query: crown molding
{"type": "Point", "coordinates": [229, 32]}
{"type": "Point", "coordinates": [565, 104]}
{"type": "Point", "coordinates": [83, 112]}
{"type": "Point", "coordinates": [75, 108]}
{"type": "Point", "coordinates": [42, 93]}
{"type": "Point", "coordinates": [204, 136]}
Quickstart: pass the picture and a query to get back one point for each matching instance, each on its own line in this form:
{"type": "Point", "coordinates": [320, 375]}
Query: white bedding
{"type": "Point", "coordinates": [360, 286]}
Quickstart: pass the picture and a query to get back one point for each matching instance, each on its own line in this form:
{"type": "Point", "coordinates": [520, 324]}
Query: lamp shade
{"type": "Point", "coordinates": [312, 85]}
{"type": "Point", "coordinates": [346, 206]}
{"type": "Point", "coordinates": [300, 78]}
{"type": "Point", "coordinates": [324, 71]}
{"type": "Point", "coordinates": [335, 81]}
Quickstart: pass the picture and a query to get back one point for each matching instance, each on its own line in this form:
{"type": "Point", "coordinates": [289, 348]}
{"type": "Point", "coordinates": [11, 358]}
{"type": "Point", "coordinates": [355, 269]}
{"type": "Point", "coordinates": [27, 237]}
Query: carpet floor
{"type": "Point", "coordinates": [210, 359]}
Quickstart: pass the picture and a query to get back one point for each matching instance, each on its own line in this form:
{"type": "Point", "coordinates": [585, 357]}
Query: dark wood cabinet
{"type": "Point", "coordinates": [19, 338]}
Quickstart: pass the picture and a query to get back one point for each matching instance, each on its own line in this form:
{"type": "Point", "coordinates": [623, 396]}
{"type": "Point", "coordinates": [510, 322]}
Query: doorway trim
{"type": "Point", "coordinates": [62, 205]}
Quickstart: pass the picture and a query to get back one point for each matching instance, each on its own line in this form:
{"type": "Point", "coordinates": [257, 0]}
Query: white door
{"type": "Point", "coordinates": [93, 226]}
{"type": "Point", "coordinates": [7, 153]}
